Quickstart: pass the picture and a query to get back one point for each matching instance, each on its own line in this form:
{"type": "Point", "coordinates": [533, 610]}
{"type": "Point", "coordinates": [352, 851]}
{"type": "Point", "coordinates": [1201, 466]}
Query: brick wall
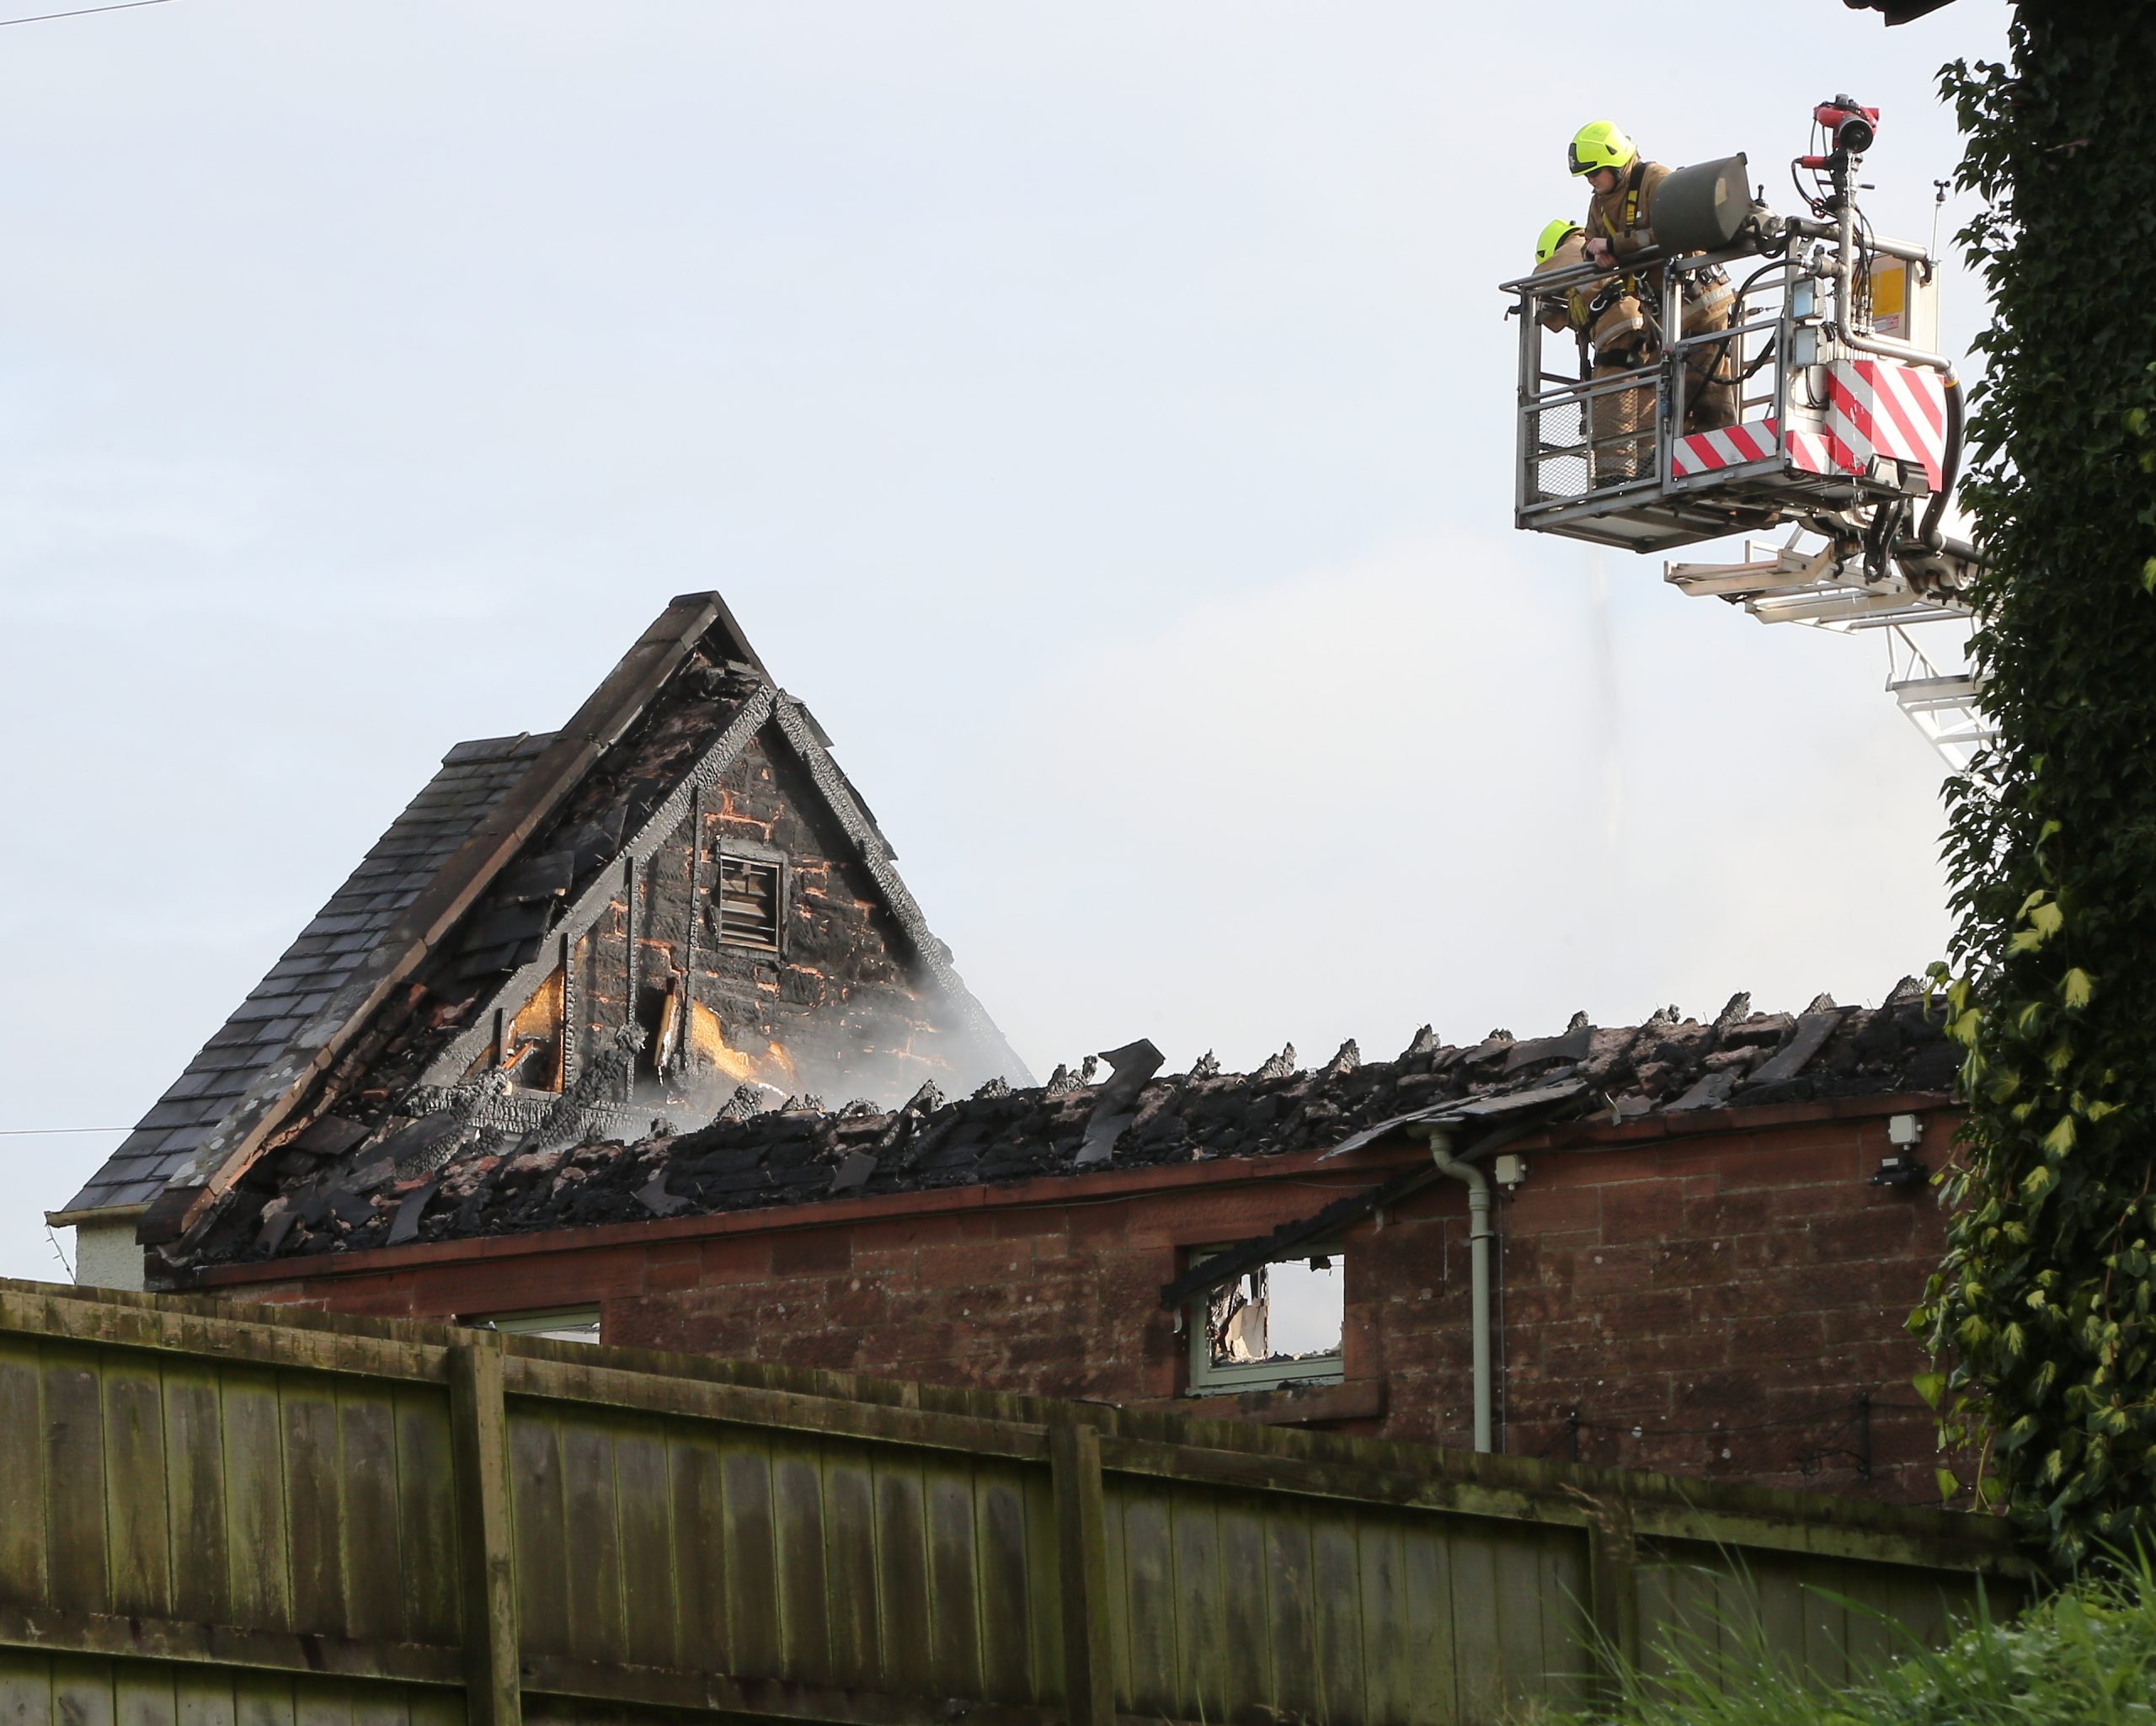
{"type": "Point", "coordinates": [1707, 1297]}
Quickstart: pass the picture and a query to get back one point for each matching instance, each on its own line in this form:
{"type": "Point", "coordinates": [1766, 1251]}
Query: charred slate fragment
{"type": "Point", "coordinates": [1812, 1030]}
{"type": "Point", "coordinates": [1115, 1105]}
{"type": "Point", "coordinates": [329, 1136]}
{"type": "Point", "coordinates": [1575, 1045]}
{"type": "Point", "coordinates": [514, 924]}
{"type": "Point", "coordinates": [548, 877]}
{"type": "Point", "coordinates": [409, 1210]}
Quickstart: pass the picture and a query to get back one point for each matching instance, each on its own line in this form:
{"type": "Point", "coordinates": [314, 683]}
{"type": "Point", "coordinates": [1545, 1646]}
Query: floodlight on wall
{"type": "Point", "coordinates": [1904, 1132]}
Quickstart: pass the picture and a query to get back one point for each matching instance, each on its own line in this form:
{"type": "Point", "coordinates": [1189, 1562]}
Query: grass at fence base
{"type": "Point", "coordinates": [2084, 1656]}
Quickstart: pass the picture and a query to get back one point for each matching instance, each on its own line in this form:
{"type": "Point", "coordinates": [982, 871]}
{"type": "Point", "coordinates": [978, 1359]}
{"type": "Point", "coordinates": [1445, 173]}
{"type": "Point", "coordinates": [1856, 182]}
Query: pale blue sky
{"type": "Point", "coordinates": [1099, 414]}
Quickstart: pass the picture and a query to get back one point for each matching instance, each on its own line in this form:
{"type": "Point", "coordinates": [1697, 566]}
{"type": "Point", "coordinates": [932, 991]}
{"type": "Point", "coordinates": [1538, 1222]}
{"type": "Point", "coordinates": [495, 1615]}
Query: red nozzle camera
{"type": "Point", "coordinates": [1852, 128]}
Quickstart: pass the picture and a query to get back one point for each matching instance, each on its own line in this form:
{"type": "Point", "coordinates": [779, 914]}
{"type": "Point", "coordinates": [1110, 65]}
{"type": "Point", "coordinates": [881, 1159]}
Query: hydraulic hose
{"type": "Point", "coordinates": [1949, 469]}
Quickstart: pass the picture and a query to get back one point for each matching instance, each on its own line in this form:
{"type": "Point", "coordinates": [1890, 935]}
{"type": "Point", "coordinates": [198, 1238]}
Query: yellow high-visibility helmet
{"type": "Point", "coordinates": [1601, 143]}
{"type": "Point", "coordinates": [1553, 237]}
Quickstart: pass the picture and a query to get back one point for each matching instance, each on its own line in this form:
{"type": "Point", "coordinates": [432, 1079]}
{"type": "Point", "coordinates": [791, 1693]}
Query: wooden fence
{"type": "Point", "coordinates": [212, 1516]}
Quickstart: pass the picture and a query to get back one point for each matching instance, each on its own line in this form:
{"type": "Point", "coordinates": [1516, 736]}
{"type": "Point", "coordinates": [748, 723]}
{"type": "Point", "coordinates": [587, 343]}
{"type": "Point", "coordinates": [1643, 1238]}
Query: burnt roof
{"type": "Point", "coordinates": [442, 898]}
{"type": "Point", "coordinates": [450, 1177]}
{"type": "Point", "coordinates": [266, 1027]}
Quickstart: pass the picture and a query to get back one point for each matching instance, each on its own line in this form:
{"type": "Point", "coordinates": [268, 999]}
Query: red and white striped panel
{"type": "Point", "coordinates": [1810, 452]}
{"type": "Point", "coordinates": [1756, 440]}
{"type": "Point", "coordinates": [1877, 407]}
{"type": "Point", "coordinates": [1738, 445]}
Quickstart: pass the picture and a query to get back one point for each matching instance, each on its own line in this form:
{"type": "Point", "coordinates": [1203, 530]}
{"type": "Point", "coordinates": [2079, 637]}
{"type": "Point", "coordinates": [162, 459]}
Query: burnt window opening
{"type": "Point", "coordinates": [750, 892]}
{"type": "Point", "coordinates": [1279, 1324]}
{"type": "Point", "coordinates": [561, 1324]}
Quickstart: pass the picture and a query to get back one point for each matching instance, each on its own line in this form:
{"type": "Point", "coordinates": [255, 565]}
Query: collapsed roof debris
{"type": "Point", "coordinates": [453, 1180]}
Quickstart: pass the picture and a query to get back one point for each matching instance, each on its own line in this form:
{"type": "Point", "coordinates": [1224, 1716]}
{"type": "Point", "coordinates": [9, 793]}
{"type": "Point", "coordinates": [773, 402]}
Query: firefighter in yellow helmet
{"type": "Point", "coordinates": [1618, 425]}
{"type": "Point", "coordinates": [1621, 224]}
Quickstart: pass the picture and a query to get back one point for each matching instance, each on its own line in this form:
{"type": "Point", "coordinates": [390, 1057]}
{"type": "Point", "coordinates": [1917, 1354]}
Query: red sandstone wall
{"type": "Point", "coordinates": [1708, 1304]}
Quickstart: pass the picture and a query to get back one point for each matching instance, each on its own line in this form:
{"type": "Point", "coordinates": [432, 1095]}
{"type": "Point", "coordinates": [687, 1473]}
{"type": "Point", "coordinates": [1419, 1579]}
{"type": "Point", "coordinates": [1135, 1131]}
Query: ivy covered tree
{"type": "Point", "coordinates": [2046, 1302]}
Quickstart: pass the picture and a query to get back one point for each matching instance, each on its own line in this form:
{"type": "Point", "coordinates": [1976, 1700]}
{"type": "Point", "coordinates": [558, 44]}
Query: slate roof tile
{"type": "Point", "coordinates": [472, 778]}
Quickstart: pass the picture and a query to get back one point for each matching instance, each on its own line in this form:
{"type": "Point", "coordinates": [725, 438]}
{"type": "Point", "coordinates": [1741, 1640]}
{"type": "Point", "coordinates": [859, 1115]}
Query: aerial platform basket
{"type": "Point", "coordinates": [1846, 427]}
{"type": "Point", "coordinates": [1823, 427]}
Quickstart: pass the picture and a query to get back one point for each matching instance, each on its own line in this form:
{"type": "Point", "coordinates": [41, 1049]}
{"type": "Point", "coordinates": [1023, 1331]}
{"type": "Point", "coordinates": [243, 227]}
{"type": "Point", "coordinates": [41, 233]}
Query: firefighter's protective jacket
{"type": "Point", "coordinates": [1623, 216]}
{"type": "Point", "coordinates": [1614, 323]}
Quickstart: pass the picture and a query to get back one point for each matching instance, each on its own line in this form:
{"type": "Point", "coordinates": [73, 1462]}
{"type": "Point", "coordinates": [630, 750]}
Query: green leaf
{"type": "Point", "coordinates": [1948, 1482]}
{"type": "Point", "coordinates": [2076, 987]}
{"type": "Point", "coordinates": [1930, 1385]}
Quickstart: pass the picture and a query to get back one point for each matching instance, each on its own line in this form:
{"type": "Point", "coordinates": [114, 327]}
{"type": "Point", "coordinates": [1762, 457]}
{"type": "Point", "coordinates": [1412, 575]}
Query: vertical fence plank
{"type": "Point", "coordinates": [435, 1707]}
{"type": "Point", "coordinates": [1569, 1667]}
{"type": "Point", "coordinates": [1202, 1652]}
{"type": "Point", "coordinates": [263, 1699]}
{"type": "Point", "coordinates": [1433, 1663]}
{"type": "Point", "coordinates": [1476, 1622]}
{"type": "Point", "coordinates": [1082, 1570]}
{"type": "Point", "coordinates": [597, 1629]}
{"type": "Point", "coordinates": [321, 1705]}
{"type": "Point", "coordinates": [1044, 1586]}
{"type": "Point", "coordinates": [203, 1696]}
{"type": "Point", "coordinates": [1291, 1627]}
{"type": "Point", "coordinates": [74, 1481]}
{"type": "Point", "coordinates": [137, 1534]}
{"type": "Point", "coordinates": [1148, 1605]}
{"type": "Point", "coordinates": [1781, 1613]}
{"type": "Point", "coordinates": [22, 1474]}
{"type": "Point", "coordinates": [751, 1563]}
{"type": "Point", "coordinates": [82, 1692]}
{"type": "Point", "coordinates": [1695, 1621]}
{"type": "Point", "coordinates": [1243, 1589]}
{"type": "Point", "coordinates": [798, 1527]}
{"type": "Point", "coordinates": [430, 1563]}
{"type": "Point", "coordinates": [374, 1571]}
{"type": "Point", "coordinates": [1519, 1612]}
{"type": "Point", "coordinates": [1613, 1598]}
{"type": "Point", "coordinates": [142, 1694]}
{"type": "Point", "coordinates": [25, 1686]}
{"type": "Point", "coordinates": [257, 1555]}
{"type": "Point", "coordinates": [378, 1705]}
{"type": "Point", "coordinates": [699, 1566]}
{"type": "Point", "coordinates": [1337, 1589]}
{"type": "Point", "coordinates": [642, 1495]}
{"type": "Point", "coordinates": [849, 1566]}
{"type": "Point", "coordinates": [902, 1574]}
{"type": "Point", "coordinates": [194, 1491]}
{"type": "Point", "coordinates": [954, 1583]}
{"type": "Point", "coordinates": [1005, 1606]}
{"type": "Point", "coordinates": [479, 1419]}
{"type": "Point", "coordinates": [1656, 1612]}
{"type": "Point", "coordinates": [314, 1497]}
{"type": "Point", "coordinates": [542, 1550]}
{"type": "Point", "coordinates": [1873, 1640]}
{"type": "Point", "coordinates": [1826, 1628]}
{"type": "Point", "coordinates": [1381, 1555]}
{"type": "Point", "coordinates": [1118, 1608]}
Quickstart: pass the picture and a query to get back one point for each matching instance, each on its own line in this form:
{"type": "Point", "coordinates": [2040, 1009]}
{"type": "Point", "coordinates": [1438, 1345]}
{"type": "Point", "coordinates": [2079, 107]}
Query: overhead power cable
{"type": "Point", "coordinates": [82, 12]}
{"type": "Point", "coordinates": [53, 1132]}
